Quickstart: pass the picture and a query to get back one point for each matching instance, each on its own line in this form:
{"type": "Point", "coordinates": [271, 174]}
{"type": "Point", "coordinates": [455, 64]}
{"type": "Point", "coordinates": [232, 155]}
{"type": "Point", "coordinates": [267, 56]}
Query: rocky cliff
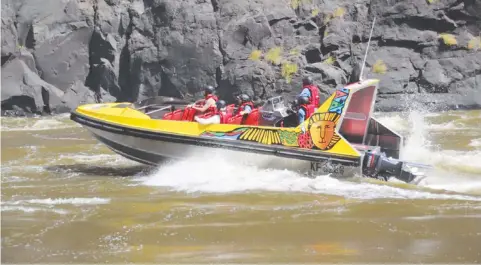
{"type": "Point", "coordinates": [57, 54]}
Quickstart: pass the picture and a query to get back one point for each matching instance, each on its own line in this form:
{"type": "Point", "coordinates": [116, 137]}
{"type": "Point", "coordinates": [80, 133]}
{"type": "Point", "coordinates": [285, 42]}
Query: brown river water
{"type": "Point", "coordinates": [68, 199]}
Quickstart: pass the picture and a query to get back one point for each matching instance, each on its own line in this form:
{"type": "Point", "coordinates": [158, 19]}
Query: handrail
{"type": "Point", "coordinates": [166, 107]}
{"type": "Point", "coordinates": [144, 107]}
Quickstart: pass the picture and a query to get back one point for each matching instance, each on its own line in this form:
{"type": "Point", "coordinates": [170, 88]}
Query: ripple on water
{"type": "Point", "coordinates": [74, 201]}
{"type": "Point", "coordinates": [61, 121]}
{"type": "Point", "coordinates": [24, 209]}
{"type": "Point", "coordinates": [49, 204]}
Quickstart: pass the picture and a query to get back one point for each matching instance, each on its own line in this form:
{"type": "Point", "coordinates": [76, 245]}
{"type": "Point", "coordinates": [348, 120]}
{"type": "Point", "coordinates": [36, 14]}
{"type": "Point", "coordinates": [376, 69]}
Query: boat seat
{"type": "Point", "coordinates": [253, 118]}
{"type": "Point", "coordinates": [189, 114]}
{"type": "Point", "coordinates": [227, 117]}
{"type": "Point", "coordinates": [175, 115]}
{"type": "Point", "coordinates": [235, 119]}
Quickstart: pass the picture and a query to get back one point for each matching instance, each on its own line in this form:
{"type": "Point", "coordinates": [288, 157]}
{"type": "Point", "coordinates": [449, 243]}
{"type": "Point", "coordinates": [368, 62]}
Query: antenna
{"type": "Point", "coordinates": [367, 48]}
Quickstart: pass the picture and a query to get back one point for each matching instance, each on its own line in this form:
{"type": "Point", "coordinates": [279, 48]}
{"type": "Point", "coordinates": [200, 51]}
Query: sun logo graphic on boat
{"type": "Point", "coordinates": [321, 131]}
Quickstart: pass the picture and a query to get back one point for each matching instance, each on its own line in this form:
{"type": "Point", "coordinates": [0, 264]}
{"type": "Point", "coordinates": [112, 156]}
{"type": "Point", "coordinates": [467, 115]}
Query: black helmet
{"type": "Point", "coordinates": [244, 97]}
{"type": "Point", "coordinates": [220, 104]}
{"type": "Point", "coordinates": [307, 80]}
{"type": "Point", "coordinates": [209, 89]}
{"type": "Point", "coordinates": [302, 100]}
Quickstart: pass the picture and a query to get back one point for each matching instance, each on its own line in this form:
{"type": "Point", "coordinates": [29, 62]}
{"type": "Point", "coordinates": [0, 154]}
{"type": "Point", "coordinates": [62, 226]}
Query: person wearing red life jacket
{"type": "Point", "coordinates": [245, 104]}
{"type": "Point", "coordinates": [209, 101]}
{"type": "Point", "coordinates": [220, 115]}
{"type": "Point", "coordinates": [304, 108]}
{"type": "Point", "coordinates": [310, 91]}
{"type": "Point", "coordinates": [244, 108]}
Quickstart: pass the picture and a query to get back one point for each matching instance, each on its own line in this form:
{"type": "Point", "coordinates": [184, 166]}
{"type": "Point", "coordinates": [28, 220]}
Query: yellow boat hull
{"type": "Point", "coordinates": [152, 147]}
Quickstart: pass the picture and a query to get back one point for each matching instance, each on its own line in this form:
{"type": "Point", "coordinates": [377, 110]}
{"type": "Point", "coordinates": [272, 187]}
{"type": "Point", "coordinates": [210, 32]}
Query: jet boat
{"type": "Point", "coordinates": [340, 138]}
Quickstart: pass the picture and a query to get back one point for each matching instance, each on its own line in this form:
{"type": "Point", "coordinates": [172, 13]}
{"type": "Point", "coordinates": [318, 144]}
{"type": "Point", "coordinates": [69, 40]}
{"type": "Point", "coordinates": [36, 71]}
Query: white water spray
{"type": "Point", "coordinates": [214, 172]}
{"type": "Point", "coordinates": [456, 170]}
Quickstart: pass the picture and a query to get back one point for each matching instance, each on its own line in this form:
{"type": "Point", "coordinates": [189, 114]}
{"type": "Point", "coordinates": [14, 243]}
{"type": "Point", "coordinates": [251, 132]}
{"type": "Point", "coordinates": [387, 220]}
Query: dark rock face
{"type": "Point", "coordinates": [59, 54]}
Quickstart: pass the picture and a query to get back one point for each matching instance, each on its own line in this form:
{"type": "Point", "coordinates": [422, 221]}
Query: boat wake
{"type": "Point", "coordinates": [214, 172]}
{"type": "Point", "coordinates": [219, 175]}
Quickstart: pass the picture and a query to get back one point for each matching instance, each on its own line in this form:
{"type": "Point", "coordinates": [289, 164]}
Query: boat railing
{"type": "Point", "coordinates": [160, 109]}
{"type": "Point", "coordinates": [147, 106]}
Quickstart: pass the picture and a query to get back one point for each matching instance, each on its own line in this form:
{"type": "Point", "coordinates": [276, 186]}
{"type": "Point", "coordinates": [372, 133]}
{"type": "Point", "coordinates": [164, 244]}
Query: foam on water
{"type": "Point", "coordinates": [60, 121]}
{"type": "Point", "coordinates": [56, 201]}
{"type": "Point", "coordinates": [49, 204]}
{"type": "Point", "coordinates": [9, 179]}
{"type": "Point", "coordinates": [95, 159]}
{"type": "Point", "coordinates": [31, 209]}
{"type": "Point", "coordinates": [475, 143]}
{"type": "Point", "coordinates": [215, 173]}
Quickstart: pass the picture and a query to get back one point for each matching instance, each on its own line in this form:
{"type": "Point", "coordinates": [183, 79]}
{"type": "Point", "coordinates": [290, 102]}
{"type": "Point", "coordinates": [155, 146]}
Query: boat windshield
{"type": "Point", "coordinates": [159, 101]}
{"type": "Point", "coordinates": [156, 107]}
{"type": "Point", "coordinates": [273, 104]}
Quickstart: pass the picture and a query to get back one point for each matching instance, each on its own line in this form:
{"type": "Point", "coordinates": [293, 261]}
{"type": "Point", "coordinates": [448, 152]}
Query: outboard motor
{"type": "Point", "coordinates": [377, 165]}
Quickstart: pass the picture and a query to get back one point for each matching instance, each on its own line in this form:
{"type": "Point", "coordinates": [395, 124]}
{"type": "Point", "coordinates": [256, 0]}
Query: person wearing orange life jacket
{"type": "Point", "coordinates": [310, 91]}
{"type": "Point", "coordinates": [220, 115]}
{"type": "Point", "coordinates": [209, 101]}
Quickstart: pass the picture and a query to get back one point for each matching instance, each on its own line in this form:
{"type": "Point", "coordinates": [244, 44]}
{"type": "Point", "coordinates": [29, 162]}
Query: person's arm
{"type": "Point", "coordinates": [301, 115]}
{"type": "Point", "coordinates": [207, 104]}
{"type": "Point", "coordinates": [305, 93]}
{"type": "Point", "coordinates": [247, 110]}
{"type": "Point", "coordinates": [198, 102]}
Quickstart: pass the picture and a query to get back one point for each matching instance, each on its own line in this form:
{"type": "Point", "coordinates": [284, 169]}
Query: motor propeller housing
{"type": "Point", "coordinates": [377, 165]}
